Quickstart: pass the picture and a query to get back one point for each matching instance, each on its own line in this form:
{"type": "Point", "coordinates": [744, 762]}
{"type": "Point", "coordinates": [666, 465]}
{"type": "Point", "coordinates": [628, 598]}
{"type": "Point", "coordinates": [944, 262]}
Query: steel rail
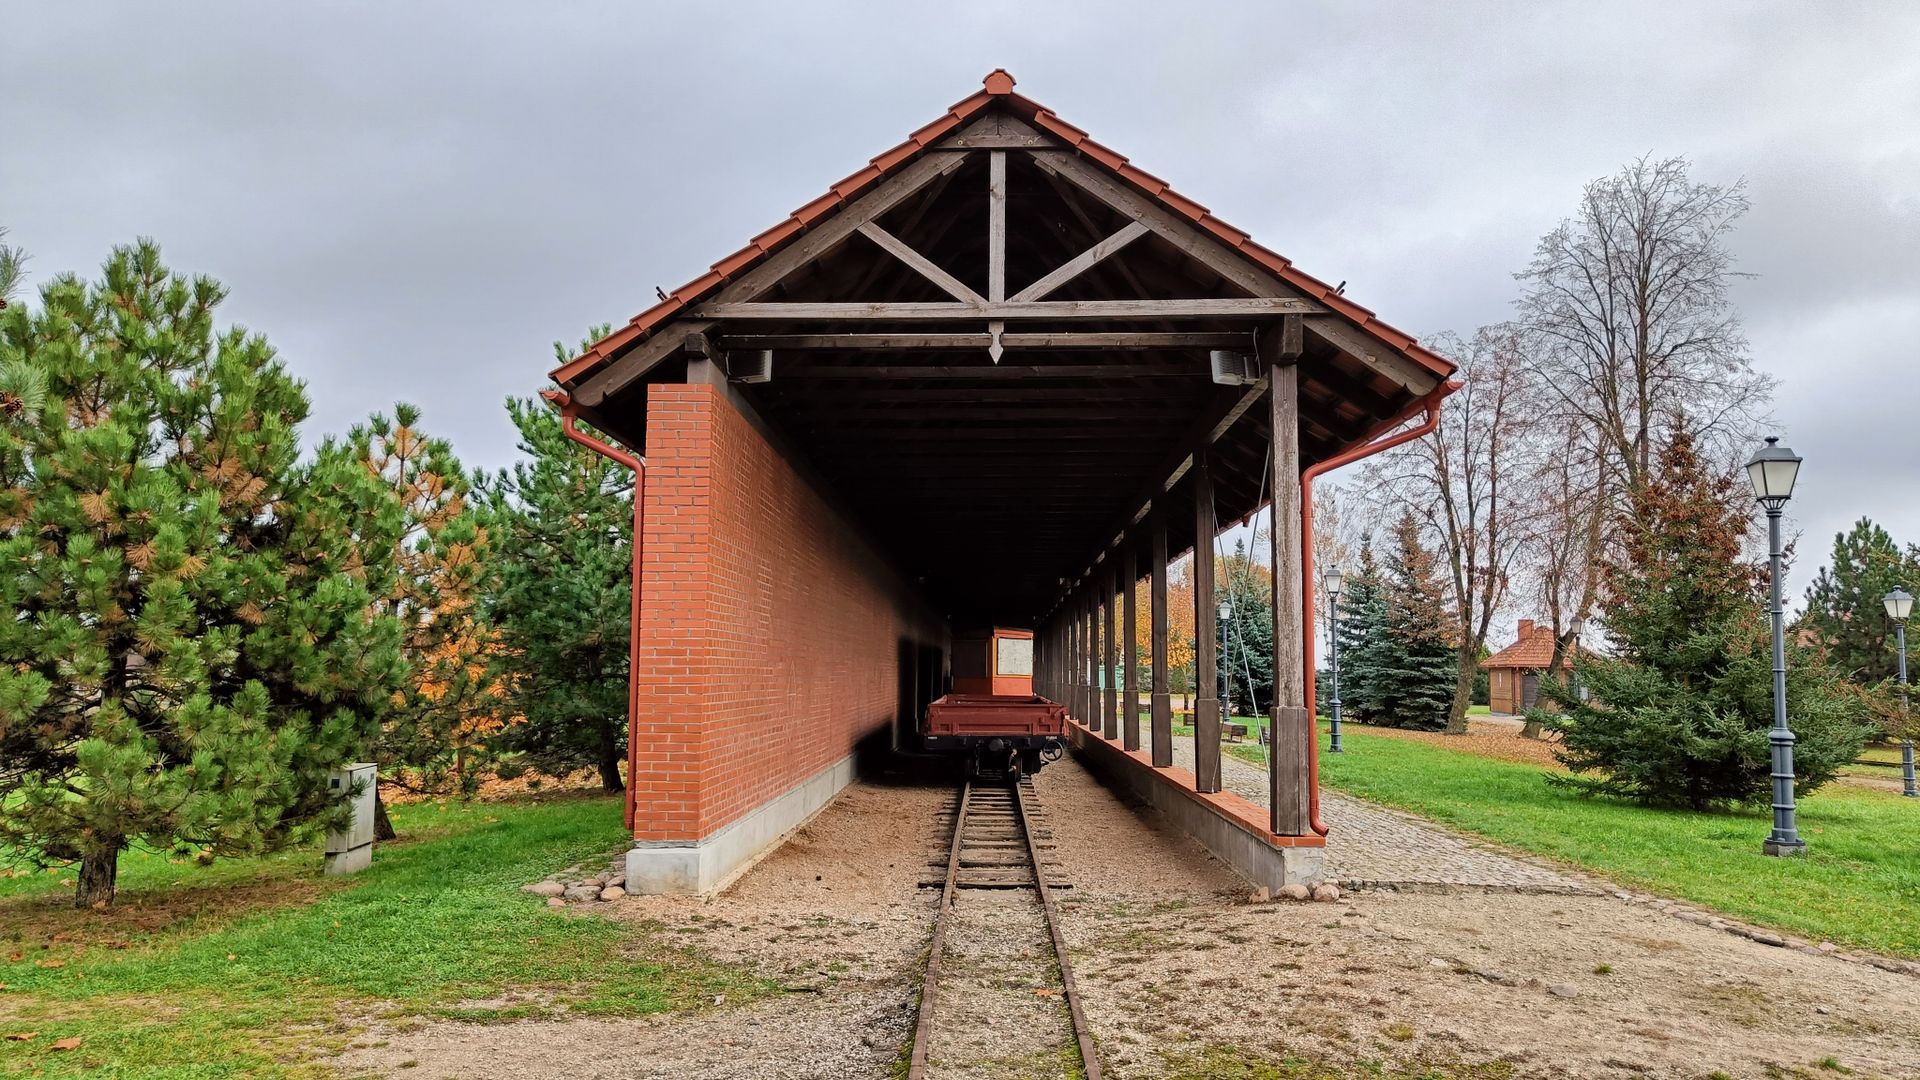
{"type": "Point", "coordinates": [923, 1032]}
{"type": "Point", "coordinates": [1089, 1057]}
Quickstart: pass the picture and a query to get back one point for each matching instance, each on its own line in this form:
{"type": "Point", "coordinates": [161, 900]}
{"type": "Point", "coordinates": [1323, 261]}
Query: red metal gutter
{"type": "Point", "coordinates": [1431, 403]}
{"type": "Point", "coordinates": [560, 400]}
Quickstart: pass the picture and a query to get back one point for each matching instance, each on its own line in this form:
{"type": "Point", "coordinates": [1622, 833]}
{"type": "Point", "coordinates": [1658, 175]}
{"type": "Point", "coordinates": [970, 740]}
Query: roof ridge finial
{"type": "Point", "coordinates": [998, 81]}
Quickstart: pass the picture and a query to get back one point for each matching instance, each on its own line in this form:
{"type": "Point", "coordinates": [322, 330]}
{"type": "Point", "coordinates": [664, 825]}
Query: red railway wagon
{"type": "Point", "coordinates": [993, 716]}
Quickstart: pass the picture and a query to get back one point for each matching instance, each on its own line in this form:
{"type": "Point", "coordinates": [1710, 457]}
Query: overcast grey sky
{"type": "Point", "coordinates": [414, 200]}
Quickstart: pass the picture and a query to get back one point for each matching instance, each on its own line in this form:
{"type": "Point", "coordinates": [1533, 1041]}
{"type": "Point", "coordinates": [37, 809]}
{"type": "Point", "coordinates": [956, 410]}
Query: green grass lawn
{"type": "Point", "coordinates": [1859, 884]}
{"type": "Point", "coordinates": [234, 969]}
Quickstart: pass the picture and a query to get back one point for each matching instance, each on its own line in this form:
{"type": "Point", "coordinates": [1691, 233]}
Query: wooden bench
{"type": "Point", "coordinates": [1233, 732]}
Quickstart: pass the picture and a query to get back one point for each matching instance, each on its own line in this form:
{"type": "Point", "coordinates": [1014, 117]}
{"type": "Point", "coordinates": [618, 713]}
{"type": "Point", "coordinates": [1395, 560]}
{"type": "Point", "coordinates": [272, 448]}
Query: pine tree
{"type": "Point", "coordinates": [1415, 670]}
{"type": "Point", "coordinates": [189, 650]}
{"type": "Point", "coordinates": [561, 527]}
{"type": "Point", "coordinates": [1845, 606]}
{"type": "Point", "coordinates": [454, 699]}
{"type": "Point", "coordinates": [1679, 712]}
{"type": "Point", "coordinates": [13, 267]}
{"type": "Point", "coordinates": [1363, 643]}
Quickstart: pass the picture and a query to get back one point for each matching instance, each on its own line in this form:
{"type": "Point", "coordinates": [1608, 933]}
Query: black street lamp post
{"type": "Point", "coordinates": [1573, 659]}
{"type": "Point", "coordinates": [1900, 605]}
{"type": "Point", "coordinates": [1226, 697]}
{"type": "Point", "coordinates": [1771, 473]}
{"type": "Point", "coordinates": [1330, 582]}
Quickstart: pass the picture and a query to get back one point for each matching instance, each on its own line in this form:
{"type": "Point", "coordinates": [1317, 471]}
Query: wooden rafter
{"type": "Point", "coordinates": [1082, 262]}
{"type": "Point", "coordinates": [921, 265]}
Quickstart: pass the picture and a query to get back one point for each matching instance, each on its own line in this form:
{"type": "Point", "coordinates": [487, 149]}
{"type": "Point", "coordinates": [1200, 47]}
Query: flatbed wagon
{"type": "Point", "coordinates": [992, 714]}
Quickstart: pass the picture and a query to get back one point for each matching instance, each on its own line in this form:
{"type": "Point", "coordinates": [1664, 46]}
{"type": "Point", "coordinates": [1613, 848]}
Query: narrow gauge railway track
{"type": "Point", "coordinates": [998, 843]}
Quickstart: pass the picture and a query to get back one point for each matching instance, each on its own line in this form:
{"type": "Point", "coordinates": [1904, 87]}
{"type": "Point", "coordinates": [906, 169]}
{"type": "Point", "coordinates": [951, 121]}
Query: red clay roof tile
{"type": "Point", "coordinates": [777, 235]}
{"type": "Point", "coordinates": [1231, 236]}
{"type": "Point", "coordinates": [895, 156]}
{"type": "Point", "coordinates": [1053, 124]}
{"type": "Point", "coordinates": [737, 261]}
{"type": "Point", "coordinates": [998, 85]}
{"type": "Point", "coordinates": [846, 188]}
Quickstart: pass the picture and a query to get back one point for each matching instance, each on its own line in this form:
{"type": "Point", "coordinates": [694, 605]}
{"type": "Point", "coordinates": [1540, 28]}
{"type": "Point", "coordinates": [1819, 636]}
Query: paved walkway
{"type": "Point", "coordinates": [1371, 846]}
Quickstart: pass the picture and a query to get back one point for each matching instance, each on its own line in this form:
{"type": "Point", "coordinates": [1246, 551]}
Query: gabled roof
{"type": "Point", "coordinates": [996, 90]}
{"type": "Point", "coordinates": [1534, 650]}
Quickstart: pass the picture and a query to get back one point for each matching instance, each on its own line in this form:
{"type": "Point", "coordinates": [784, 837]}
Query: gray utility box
{"type": "Point", "coordinates": [351, 848]}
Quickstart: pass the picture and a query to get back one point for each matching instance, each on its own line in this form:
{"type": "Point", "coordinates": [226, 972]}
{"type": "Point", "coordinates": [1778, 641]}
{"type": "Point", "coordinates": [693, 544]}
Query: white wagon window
{"type": "Point", "coordinates": [1013, 656]}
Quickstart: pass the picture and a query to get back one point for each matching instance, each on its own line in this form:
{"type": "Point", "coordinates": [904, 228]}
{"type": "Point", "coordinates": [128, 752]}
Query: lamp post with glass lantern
{"type": "Point", "coordinates": [1771, 474]}
{"type": "Point", "coordinates": [1226, 699]}
{"type": "Point", "coordinates": [1573, 659]}
{"type": "Point", "coordinates": [1330, 582]}
{"type": "Point", "coordinates": [1900, 605]}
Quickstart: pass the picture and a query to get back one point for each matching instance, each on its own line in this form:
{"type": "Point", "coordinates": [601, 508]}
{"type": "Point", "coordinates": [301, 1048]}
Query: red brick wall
{"type": "Point", "coordinates": [769, 632]}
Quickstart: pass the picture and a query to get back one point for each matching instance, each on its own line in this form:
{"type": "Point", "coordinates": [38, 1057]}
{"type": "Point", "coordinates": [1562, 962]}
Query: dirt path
{"type": "Point", "coordinates": [1182, 977]}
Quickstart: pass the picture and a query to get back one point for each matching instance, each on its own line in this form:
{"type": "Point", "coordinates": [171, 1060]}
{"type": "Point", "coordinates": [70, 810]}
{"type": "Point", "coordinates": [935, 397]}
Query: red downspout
{"type": "Point", "coordinates": [1431, 403]}
{"type": "Point", "coordinates": [560, 400]}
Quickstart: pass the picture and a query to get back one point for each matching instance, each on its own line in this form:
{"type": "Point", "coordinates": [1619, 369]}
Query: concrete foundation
{"type": "Point", "coordinates": [1232, 828]}
{"type": "Point", "coordinates": [701, 866]}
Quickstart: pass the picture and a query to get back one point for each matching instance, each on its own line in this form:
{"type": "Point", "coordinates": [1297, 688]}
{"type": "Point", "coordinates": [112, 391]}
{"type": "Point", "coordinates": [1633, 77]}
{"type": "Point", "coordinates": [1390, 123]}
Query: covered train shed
{"type": "Point", "coordinates": [995, 377]}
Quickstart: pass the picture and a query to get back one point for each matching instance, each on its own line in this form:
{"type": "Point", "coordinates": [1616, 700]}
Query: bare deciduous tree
{"type": "Point", "coordinates": [1462, 485]}
{"type": "Point", "coordinates": [1628, 302]}
{"type": "Point", "coordinates": [1567, 483]}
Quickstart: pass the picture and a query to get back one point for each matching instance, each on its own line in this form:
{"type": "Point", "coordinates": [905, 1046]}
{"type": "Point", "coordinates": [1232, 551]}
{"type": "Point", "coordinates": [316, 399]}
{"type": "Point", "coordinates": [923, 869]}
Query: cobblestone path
{"type": "Point", "coordinates": [1371, 846]}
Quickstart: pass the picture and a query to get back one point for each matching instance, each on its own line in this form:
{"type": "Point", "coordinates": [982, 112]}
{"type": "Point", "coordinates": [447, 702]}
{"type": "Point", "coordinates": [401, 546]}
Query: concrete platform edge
{"type": "Point", "coordinates": [1251, 854]}
{"type": "Point", "coordinates": [708, 864]}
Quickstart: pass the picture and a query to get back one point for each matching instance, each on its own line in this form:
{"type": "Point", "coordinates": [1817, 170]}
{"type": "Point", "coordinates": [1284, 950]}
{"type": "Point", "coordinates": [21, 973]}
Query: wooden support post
{"type": "Point", "coordinates": [1049, 657]}
{"type": "Point", "coordinates": [997, 225]}
{"type": "Point", "coordinates": [1130, 662]}
{"type": "Point", "coordinates": [1100, 624]}
{"type": "Point", "coordinates": [1110, 664]}
{"type": "Point", "coordinates": [1070, 685]}
{"type": "Point", "coordinates": [1288, 779]}
{"type": "Point", "coordinates": [1206, 632]}
{"type": "Point", "coordinates": [1089, 636]}
{"type": "Point", "coordinates": [1162, 716]}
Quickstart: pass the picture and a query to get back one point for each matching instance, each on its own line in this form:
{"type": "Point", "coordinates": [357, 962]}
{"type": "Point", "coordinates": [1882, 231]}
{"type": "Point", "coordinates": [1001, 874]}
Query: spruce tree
{"type": "Point", "coordinates": [453, 700]}
{"type": "Point", "coordinates": [1845, 606]}
{"type": "Point", "coordinates": [1415, 668]}
{"type": "Point", "coordinates": [1363, 643]}
{"type": "Point", "coordinates": [189, 649]}
{"type": "Point", "coordinates": [1248, 658]}
{"type": "Point", "coordinates": [1678, 714]}
{"type": "Point", "coordinates": [560, 525]}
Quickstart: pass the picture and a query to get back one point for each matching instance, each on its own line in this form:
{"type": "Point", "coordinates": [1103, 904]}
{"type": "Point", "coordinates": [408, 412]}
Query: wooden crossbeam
{"type": "Point", "coordinates": [921, 265]}
{"type": "Point", "coordinates": [1239, 307]}
{"type": "Point", "coordinates": [1081, 263]}
{"type": "Point", "coordinates": [1012, 340]}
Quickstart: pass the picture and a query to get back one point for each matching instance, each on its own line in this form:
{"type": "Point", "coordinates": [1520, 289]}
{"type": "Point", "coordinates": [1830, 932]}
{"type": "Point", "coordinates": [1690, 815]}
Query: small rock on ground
{"type": "Point", "coordinates": [1295, 892]}
{"type": "Point", "coordinates": [544, 888]}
